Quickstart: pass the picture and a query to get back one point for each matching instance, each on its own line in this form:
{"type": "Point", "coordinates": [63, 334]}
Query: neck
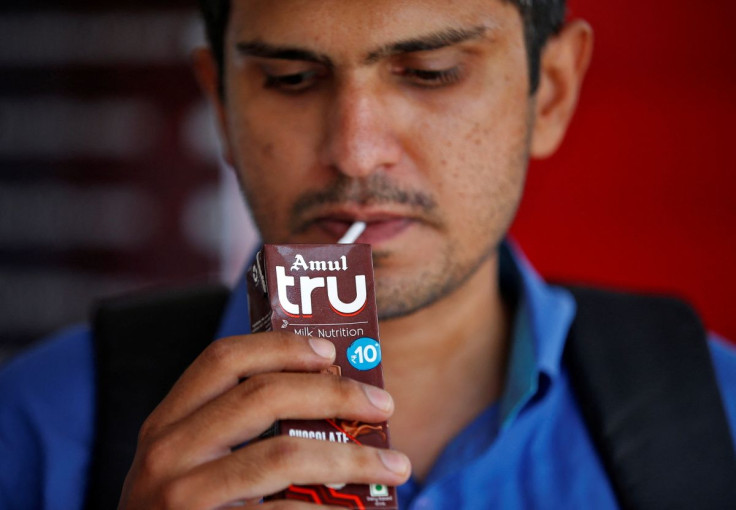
{"type": "Point", "coordinates": [444, 364]}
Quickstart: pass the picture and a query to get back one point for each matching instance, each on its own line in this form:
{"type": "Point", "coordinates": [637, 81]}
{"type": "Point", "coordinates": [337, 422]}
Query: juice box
{"type": "Point", "coordinates": [326, 291]}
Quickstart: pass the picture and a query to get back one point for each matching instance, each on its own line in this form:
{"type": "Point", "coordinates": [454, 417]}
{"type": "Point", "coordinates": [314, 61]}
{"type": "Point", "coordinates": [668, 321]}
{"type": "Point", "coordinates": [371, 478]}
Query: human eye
{"type": "Point", "coordinates": [290, 82]}
{"type": "Point", "coordinates": [431, 78]}
{"type": "Point", "coordinates": [431, 69]}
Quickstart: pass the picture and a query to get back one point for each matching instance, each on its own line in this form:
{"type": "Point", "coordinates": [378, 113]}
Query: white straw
{"type": "Point", "coordinates": [353, 233]}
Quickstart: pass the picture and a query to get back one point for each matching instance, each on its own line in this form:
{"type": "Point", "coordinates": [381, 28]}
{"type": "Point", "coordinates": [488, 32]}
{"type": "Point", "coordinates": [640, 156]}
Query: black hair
{"type": "Point", "coordinates": [541, 18]}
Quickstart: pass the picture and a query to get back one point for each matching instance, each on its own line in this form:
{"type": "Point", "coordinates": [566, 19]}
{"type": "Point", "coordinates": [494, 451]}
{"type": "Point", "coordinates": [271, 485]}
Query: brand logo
{"type": "Point", "coordinates": [340, 264]}
{"type": "Point", "coordinates": [309, 284]}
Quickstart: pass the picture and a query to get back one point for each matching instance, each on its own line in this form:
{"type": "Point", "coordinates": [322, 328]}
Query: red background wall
{"type": "Point", "coordinates": [641, 195]}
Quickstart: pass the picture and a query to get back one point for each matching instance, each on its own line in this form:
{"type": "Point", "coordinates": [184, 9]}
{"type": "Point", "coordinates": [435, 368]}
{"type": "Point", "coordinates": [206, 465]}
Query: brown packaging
{"type": "Point", "coordinates": [325, 291]}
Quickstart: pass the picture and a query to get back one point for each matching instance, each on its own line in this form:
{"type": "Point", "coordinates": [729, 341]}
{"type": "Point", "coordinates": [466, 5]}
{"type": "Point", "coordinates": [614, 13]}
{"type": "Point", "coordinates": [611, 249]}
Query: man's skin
{"type": "Point", "coordinates": [415, 116]}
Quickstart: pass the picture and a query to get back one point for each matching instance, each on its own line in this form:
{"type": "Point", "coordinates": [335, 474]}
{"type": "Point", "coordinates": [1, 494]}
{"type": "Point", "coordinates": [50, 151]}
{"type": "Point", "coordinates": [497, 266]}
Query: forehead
{"type": "Point", "coordinates": [337, 26]}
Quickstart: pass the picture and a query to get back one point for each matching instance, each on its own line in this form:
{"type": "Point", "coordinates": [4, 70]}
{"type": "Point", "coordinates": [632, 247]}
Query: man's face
{"type": "Point", "coordinates": [413, 116]}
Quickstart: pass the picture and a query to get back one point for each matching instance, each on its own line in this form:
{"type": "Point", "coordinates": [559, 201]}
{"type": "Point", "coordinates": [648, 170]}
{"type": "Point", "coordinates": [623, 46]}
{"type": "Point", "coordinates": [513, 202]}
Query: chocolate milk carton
{"type": "Point", "coordinates": [326, 291]}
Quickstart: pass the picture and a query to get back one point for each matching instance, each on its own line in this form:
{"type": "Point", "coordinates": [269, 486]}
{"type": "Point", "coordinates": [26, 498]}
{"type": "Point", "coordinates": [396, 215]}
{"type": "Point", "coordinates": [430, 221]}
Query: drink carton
{"type": "Point", "coordinates": [326, 291]}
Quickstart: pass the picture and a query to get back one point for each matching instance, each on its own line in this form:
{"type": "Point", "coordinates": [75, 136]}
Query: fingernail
{"type": "Point", "coordinates": [379, 398]}
{"type": "Point", "coordinates": [394, 461]}
{"type": "Point", "coordinates": [324, 348]}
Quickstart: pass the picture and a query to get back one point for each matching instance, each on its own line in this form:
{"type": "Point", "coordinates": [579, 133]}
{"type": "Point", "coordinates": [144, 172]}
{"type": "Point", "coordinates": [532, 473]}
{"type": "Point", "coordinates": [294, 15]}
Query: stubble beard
{"type": "Point", "coordinates": [398, 297]}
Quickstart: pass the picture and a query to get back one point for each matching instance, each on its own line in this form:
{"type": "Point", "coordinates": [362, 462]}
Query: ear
{"type": "Point", "coordinates": [208, 77]}
{"type": "Point", "coordinates": [564, 61]}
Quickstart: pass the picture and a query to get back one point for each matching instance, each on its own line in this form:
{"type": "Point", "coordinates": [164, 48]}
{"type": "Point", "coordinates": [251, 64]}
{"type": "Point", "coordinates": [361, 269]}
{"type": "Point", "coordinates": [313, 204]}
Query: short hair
{"type": "Point", "coordinates": [541, 19]}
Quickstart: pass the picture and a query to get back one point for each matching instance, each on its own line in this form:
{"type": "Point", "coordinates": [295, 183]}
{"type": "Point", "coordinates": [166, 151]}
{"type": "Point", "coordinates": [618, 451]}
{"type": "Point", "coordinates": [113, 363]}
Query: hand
{"type": "Point", "coordinates": [231, 393]}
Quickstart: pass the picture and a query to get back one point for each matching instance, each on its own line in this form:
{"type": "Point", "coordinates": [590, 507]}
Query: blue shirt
{"type": "Point", "coordinates": [528, 450]}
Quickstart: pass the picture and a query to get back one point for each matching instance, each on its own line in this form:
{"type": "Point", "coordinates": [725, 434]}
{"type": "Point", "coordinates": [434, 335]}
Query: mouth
{"type": "Point", "coordinates": [380, 227]}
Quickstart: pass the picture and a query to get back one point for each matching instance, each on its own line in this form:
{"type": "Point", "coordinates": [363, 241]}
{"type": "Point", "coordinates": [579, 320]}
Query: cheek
{"type": "Point", "coordinates": [480, 164]}
{"type": "Point", "coordinates": [255, 146]}
{"type": "Point", "coordinates": [266, 158]}
{"type": "Point", "coordinates": [275, 137]}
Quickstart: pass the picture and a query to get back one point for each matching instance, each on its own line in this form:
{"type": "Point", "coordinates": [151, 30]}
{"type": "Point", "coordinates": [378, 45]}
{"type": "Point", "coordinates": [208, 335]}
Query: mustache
{"type": "Point", "coordinates": [376, 189]}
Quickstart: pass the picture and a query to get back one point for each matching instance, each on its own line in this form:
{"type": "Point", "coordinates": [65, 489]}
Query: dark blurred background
{"type": "Point", "coordinates": [109, 173]}
{"type": "Point", "coordinates": [110, 178]}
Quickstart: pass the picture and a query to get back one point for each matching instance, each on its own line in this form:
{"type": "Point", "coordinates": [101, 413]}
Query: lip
{"type": "Point", "coordinates": [375, 231]}
{"type": "Point", "coordinates": [380, 226]}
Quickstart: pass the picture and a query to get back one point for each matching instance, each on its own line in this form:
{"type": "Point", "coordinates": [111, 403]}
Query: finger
{"type": "Point", "coordinates": [245, 411]}
{"type": "Point", "coordinates": [227, 361]}
{"type": "Point", "coordinates": [271, 465]}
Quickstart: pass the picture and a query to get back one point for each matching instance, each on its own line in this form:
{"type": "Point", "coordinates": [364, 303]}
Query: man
{"type": "Point", "coordinates": [417, 117]}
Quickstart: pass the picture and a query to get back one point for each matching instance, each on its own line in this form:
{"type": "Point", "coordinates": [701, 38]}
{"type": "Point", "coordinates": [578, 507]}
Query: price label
{"type": "Point", "coordinates": [364, 353]}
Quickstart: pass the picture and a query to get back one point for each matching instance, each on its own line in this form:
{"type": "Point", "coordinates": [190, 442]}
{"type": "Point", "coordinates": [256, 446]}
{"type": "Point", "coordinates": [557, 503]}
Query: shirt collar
{"type": "Point", "coordinates": [542, 320]}
{"type": "Point", "coordinates": [236, 320]}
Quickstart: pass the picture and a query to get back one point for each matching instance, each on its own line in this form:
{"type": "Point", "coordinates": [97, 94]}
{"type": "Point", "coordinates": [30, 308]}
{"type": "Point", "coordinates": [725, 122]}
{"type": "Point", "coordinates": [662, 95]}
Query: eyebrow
{"type": "Point", "coordinates": [428, 42]}
{"type": "Point", "coordinates": [265, 50]}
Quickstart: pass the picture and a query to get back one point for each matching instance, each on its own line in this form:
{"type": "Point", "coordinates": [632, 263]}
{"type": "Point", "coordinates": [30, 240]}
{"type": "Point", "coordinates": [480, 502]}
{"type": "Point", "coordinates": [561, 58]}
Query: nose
{"type": "Point", "coordinates": [360, 132]}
